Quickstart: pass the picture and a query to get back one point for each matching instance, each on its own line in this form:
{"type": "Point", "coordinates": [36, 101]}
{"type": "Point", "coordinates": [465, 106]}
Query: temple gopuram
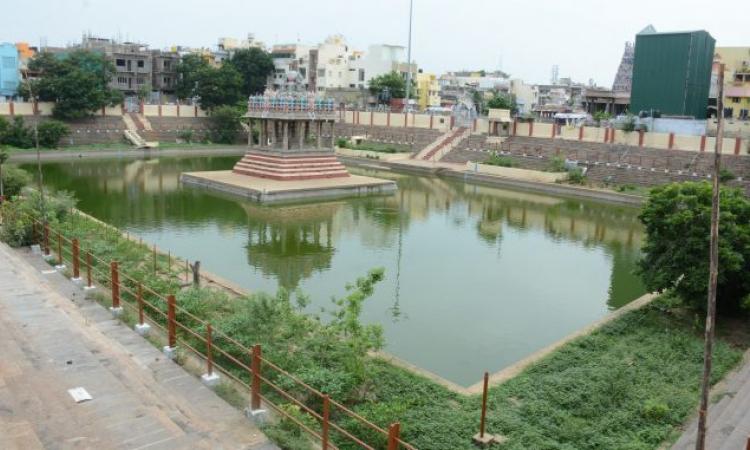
{"type": "Point", "coordinates": [294, 156]}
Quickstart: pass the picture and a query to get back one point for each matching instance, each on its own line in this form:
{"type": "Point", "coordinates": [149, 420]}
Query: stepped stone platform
{"type": "Point", "coordinates": [268, 190]}
{"type": "Point", "coordinates": [291, 166]}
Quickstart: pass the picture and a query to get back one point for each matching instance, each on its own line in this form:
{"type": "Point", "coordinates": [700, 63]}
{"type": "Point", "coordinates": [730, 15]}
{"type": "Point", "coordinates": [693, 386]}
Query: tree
{"type": "Point", "coordinates": [677, 222]}
{"type": "Point", "coordinates": [254, 66]}
{"type": "Point", "coordinates": [218, 87]}
{"type": "Point", "coordinates": [225, 124]}
{"type": "Point", "coordinates": [503, 101]}
{"type": "Point", "coordinates": [78, 83]}
{"type": "Point", "coordinates": [187, 73]}
{"type": "Point", "coordinates": [393, 82]}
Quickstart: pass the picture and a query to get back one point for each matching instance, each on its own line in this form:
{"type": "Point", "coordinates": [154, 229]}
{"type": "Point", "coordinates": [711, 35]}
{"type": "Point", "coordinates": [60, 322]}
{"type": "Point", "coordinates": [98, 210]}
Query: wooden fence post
{"type": "Point", "coordinates": [171, 328]}
{"type": "Point", "coordinates": [115, 282]}
{"type": "Point", "coordinates": [154, 259]}
{"type": "Point", "coordinates": [209, 357]}
{"type": "Point", "coordinates": [393, 434]}
{"type": "Point", "coordinates": [76, 260]}
{"type": "Point", "coordinates": [484, 405]}
{"type": "Point", "coordinates": [255, 387]}
{"type": "Point", "coordinates": [326, 415]}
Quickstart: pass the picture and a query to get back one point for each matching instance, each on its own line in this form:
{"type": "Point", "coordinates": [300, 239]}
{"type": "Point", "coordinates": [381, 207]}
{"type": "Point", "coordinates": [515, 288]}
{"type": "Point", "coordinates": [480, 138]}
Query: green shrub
{"type": "Point", "coordinates": [225, 124]}
{"type": "Point", "coordinates": [655, 410]}
{"type": "Point", "coordinates": [51, 132]}
{"type": "Point", "coordinates": [725, 175]}
{"type": "Point", "coordinates": [17, 135]}
{"type": "Point", "coordinates": [186, 135]}
{"type": "Point", "coordinates": [556, 164]}
{"type": "Point", "coordinates": [576, 176]}
{"type": "Point", "coordinates": [342, 143]}
{"type": "Point", "coordinates": [13, 180]}
{"type": "Point", "coordinates": [17, 215]}
{"type": "Point", "coordinates": [500, 161]}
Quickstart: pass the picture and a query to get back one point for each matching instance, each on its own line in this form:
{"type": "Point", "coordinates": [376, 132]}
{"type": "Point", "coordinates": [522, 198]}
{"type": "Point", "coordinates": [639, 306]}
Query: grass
{"type": "Point", "coordinates": [500, 161]}
{"type": "Point", "coordinates": [629, 385]}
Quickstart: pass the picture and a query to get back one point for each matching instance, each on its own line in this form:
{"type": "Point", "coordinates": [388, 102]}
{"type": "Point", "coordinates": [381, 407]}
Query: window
{"type": "Point", "coordinates": [167, 64]}
{"type": "Point", "coordinates": [321, 73]}
{"type": "Point", "coordinates": [735, 99]}
{"type": "Point", "coordinates": [120, 62]}
{"type": "Point", "coordinates": [9, 62]}
{"type": "Point", "coordinates": [141, 63]}
{"type": "Point", "coordinates": [167, 81]}
{"type": "Point", "coordinates": [139, 80]}
{"type": "Point", "coordinates": [351, 86]}
{"type": "Point", "coordinates": [122, 80]}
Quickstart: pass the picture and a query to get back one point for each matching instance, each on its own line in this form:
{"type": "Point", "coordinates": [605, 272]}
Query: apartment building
{"type": "Point", "coordinates": [8, 70]}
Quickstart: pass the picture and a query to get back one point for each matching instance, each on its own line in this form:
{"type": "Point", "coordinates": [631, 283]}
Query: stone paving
{"type": "Point", "coordinates": [52, 340]}
{"type": "Point", "coordinates": [728, 418]}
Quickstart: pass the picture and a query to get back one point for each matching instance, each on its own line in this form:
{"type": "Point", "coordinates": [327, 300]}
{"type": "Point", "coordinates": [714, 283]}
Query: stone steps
{"type": "Point", "coordinates": [290, 166]}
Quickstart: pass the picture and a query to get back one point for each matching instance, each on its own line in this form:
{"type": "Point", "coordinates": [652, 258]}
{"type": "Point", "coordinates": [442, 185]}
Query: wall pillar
{"type": "Point", "coordinates": [159, 109]}
{"type": "Point", "coordinates": [475, 125]}
{"type": "Point", "coordinates": [372, 115]}
{"type": "Point", "coordinates": [301, 132]}
{"type": "Point", "coordinates": [250, 142]}
{"type": "Point", "coordinates": [432, 119]}
{"type": "Point", "coordinates": [612, 136]}
{"type": "Point", "coordinates": [554, 130]}
{"type": "Point", "coordinates": [737, 145]}
{"type": "Point", "coordinates": [406, 119]}
{"type": "Point", "coordinates": [531, 128]}
{"type": "Point", "coordinates": [333, 138]}
{"type": "Point", "coordinates": [580, 133]}
{"type": "Point", "coordinates": [388, 119]}
{"type": "Point", "coordinates": [12, 108]}
{"type": "Point", "coordinates": [671, 141]}
{"type": "Point", "coordinates": [261, 133]}
{"type": "Point", "coordinates": [606, 135]}
{"type": "Point", "coordinates": [515, 126]}
{"type": "Point", "coordinates": [319, 131]}
{"type": "Point", "coordinates": [703, 143]}
{"type": "Point", "coordinates": [640, 138]}
{"type": "Point", "coordinates": [104, 111]}
{"type": "Point", "coordinates": [273, 134]}
{"type": "Point", "coordinates": [453, 122]}
{"type": "Point", "coordinates": [178, 109]}
{"type": "Point", "coordinates": [285, 137]}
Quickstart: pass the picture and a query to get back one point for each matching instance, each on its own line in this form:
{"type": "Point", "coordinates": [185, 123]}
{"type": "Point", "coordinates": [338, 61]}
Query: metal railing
{"type": "Point", "coordinates": [161, 311]}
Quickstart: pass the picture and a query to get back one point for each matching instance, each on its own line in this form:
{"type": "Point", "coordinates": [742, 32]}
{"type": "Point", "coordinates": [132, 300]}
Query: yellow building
{"type": "Point", "coordinates": [428, 90]}
{"type": "Point", "coordinates": [736, 79]}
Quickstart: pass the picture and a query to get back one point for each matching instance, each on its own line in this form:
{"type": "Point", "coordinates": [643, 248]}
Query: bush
{"type": "Point", "coordinates": [16, 134]}
{"type": "Point", "coordinates": [677, 219]}
{"type": "Point", "coordinates": [576, 176]}
{"type": "Point", "coordinates": [225, 124]}
{"type": "Point", "coordinates": [17, 215]}
{"type": "Point", "coordinates": [14, 179]}
{"type": "Point", "coordinates": [342, 143]}
{"type": "Point", "coordinates": [186, 135]}
{"type": "Point", "coordinates": [726, 175]}
{"type": "Point", "coordinates": [556, 164]}
{"type": "Point", "coordinates": [655, 410]}
{"type": "Point", "coordinates": [629, 124]}
{"type": "Point", "coordinates": [500, 161]}
{"type": "Point", "coordinates": [51, 132]}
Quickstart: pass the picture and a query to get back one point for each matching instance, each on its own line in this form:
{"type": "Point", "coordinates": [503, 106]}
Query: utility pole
{"type": "Point", "coordinates": [408, 56]}
{"type": "Point", "coordinates": [36, 145]}
{"type": "Point", "coordinates": [713, 273]}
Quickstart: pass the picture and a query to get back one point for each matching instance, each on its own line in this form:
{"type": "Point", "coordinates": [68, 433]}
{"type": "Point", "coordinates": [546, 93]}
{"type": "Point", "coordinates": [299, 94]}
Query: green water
{"type": "Point", "coordinates": [477, 278]}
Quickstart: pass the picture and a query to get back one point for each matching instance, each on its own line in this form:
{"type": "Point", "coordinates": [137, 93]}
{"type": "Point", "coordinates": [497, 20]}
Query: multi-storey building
{"type": "Point", "coordinates": [428, 90]}
{"type": "Point", "coordinates": [8, 70]}
{"type": "Point", "coordinates": [736, 62]}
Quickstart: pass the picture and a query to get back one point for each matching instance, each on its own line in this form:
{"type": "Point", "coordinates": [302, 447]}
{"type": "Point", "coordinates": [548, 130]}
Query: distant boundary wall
{"type": "Point", "coordinates": [45, 109]}
{"type": "Point", "coordinates": [666, 141]}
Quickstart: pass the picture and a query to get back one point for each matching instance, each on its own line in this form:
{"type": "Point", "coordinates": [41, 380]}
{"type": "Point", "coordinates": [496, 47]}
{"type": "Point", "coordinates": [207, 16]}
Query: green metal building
{"type": "Point", "coordinates": [672, 73]}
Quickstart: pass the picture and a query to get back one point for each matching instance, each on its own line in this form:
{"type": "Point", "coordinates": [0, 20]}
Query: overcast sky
{"type": "Point", "coordinates": [585, 38]}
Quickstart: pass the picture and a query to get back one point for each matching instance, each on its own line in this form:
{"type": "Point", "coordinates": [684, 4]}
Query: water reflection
{"type": "Point", "coordinates": [486, 273]}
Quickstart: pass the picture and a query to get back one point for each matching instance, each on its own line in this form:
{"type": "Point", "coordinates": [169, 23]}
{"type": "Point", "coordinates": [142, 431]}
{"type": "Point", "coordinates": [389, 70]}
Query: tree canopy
{"type": "Point", "coordinates": [393, 82]}
{"type": "Point", "coordinates": [212, 86]}
{"type": "Point", "coordinates": [254, 66]}
{"type": "Point", "coordinates": [677, 218]}
{"type": "Point", "coordinates": [78, 83]}
{"type": "Point", "coordinates": [502, 101]}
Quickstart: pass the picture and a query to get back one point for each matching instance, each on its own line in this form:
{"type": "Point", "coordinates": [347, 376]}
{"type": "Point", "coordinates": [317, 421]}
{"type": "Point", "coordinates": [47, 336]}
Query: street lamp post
{"type": "Point", "coordinates": [408, 57]}
{"type": "Point", "coordinates": [36, 145]}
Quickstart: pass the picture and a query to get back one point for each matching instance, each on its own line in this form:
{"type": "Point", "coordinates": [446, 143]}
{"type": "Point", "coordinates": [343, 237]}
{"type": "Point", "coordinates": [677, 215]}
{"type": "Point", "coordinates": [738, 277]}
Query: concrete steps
{"type": "Point", "coordinates": [288, 167]}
